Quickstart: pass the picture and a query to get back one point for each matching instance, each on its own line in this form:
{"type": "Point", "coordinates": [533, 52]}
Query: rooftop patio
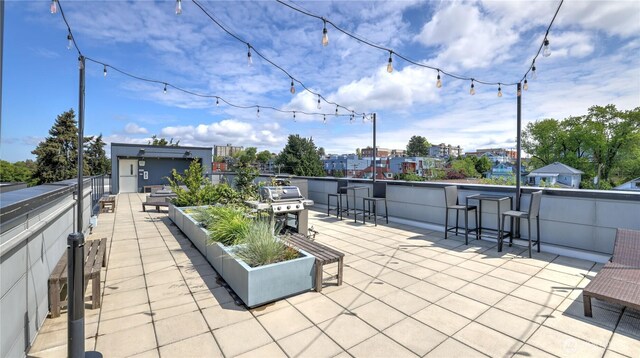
{"type": "Point", "coordinates": [406, 292]}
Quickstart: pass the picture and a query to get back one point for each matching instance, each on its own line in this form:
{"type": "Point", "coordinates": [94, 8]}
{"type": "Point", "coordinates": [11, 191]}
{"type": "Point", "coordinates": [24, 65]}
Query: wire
{"type": "Point", "coordinates": [73, 38]}
{"type": "Point", "coordinates": [542, 43]}
{"type": "Point", "coordinates": [239, 39]}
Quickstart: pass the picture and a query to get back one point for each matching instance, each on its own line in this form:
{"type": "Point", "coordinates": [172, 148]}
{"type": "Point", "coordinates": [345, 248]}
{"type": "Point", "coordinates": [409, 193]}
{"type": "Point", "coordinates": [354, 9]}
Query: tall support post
{"type": "Point", "coordinates": [375, 151]}
{"type": "Point", "coordinates": [1, 53]}
{"type": "Point", "coordinates": [75, 248]}
{"type": "Point", "coordinates": [518, 154]}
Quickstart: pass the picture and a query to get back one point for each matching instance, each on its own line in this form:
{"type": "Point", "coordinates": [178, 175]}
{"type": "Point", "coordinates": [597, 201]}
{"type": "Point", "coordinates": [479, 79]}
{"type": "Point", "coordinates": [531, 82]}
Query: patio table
{"type": "Point", "coordinates": [354, 188]}
{"type": "Point", "coordinates": [499, 200]}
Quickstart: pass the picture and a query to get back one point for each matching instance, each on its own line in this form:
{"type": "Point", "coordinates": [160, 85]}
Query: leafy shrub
{"type": "Point", "coordinates": [262, 247]}
{"type": "Point", "coordinates": [226, 224]}
{"type": "Point", "coordinates": [453, 174]}
{"type": "Point", "coordinates": [199, 190]}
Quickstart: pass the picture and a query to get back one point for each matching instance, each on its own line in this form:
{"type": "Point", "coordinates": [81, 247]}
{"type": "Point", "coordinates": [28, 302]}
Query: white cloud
{"type": "Point", "coordinates": [223, 132]}
{"type": "Point", "coordinates": [132, 128]}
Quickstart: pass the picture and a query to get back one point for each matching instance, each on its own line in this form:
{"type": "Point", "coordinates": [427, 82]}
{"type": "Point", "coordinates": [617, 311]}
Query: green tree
{"type": "Point", "coordinates": [162, 142]}
{"type": "Point", "coordinates": [418, 146]}
{"type": "Point", "coordinates": [358, 153]}
{"type": "Point", "coordinates": [465, 167]}
{"type": "Point", "coordinates": [97, 159]}
{"type": "Point", "coordinates": [483, 165]}
{"type": "Point", "coordinates": [263, 157]}
{"type": "Point", "coordinates": [246, 172]}
{"type": "Point", "coordinates": [321, 152]}
{"type": "Point", "coordinates": [300, 157]}
{"type": "Point", "coordinates": [57, 155]}
{"type": "Point", "coordinates": [18, 172]}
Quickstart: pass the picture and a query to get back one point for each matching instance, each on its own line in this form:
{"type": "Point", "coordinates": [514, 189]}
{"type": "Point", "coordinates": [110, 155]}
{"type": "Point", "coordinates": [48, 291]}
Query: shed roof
{"type": "Point", "coordinates": [556, 168]}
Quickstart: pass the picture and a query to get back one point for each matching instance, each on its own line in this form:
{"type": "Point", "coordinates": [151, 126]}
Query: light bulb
{"type": "Point", "coordinates": [165, 89]}
{"type": "Point", "coordinates": [351, 118]}
{"type": "Point", "coordinates": [69, 41]}
{"type": "Point", "coordinates": [472, 91]}
{"type": "Point", "coordinates": [390, 63]}
{"type": "Point", "coordinates": [217, 102]}
{"type": "Point", "coordinates": [336, 110]}
{"type": "Point", "coordinates": [104, 71]}
{"type": "Point", "coordinates": [178, 7]}
{"type": "Point", "coordinates": [319, 106]}
{"type": "Point", "coordinates": [294, 116]}
{"type": "Point", "coordinates": [439, 81]}
{"type": "Point", "coordinates": [53, 7]}
{"type": "Point", "coordinates": [526, 85]}
{"type": "Point", "coordinates": [325, 36]}
{"type": "Point", "coordinates": [364, 118]}
{"type": "Point", "coordinates": [499, 90]}
{"type": "Point", "coordinates": [534, 75]}
{"type": "Point", "coordinates": [258, 112]}
{"type": "Point", "coordinates": [249, 60]}
{"type": "Point", "coordinates": [546, 51]}
{"type": "Point", "coordinates": [324, 119]}
{"type": "Point", "coordinates": [293, 88]}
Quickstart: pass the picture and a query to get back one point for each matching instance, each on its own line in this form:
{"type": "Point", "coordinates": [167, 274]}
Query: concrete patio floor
{"type": "Point", "coordinates": [406, 292]}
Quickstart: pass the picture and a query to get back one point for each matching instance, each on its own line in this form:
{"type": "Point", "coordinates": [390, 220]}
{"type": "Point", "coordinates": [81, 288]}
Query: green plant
{"type": "Point", "coordinates": [262, 247]}
{"type": "Point", "coordinates": [199, 190]}
{"type": "Point", "coordinates": [227, 225]}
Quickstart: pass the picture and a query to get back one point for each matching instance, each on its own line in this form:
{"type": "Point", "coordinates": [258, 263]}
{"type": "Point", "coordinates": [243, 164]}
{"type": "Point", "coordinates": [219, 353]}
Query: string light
{"type": "Point", "coordinates": [472, 91]}
{"type": "Point", "coordinates": [526, 85]}
{"type": "Point", "coordinates": [336, 110]}
{"type": "Point", "coordinates": [53, 8]}
{"type": "Point", "coordinates": [258, 112]}
{"type": "Point", "coordinates": [519, 92]}
{"type": "Point", "coordinates": [534, 74]}
{"type": "Point", "coordinates": [324, 119]}
{"type": "Point", "coordinates": [319, 106]}
{"type": "Point", "coordinates": [178, 7]}
{"type": "Point", "coordinates": [293, 87]}
{"type": "Point", "coordinates": [249, 60]}
{"type": "Point", "coordinates": [351, 119]}
{"type": "Point", "coordinates": [390, 63]}
{"type": "Point", "coordinates": [546, 51]}
{"type": "Point", "coordinates": [104, 71]}
{"type": "Point", "coordinates": [165, 89]}
{"type": "Point", "coordinates": [499, 90]}
{"type": "Point", "coordinates": [69, 41]}
{"type": "Point", "coordinates": [439, 81]}
{"type": "Point", "coordinates": [325, 36]}
{"type": "Point", "coordinates": [217, 102]}
{"type": "Point", "coordinates": [294, 116]}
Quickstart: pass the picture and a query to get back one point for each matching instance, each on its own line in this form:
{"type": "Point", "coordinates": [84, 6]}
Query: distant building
{"type": "Point", "coordinates": [225, 150]}
{"type": "Point", "coordinates": [398, 153]}
{"type": "Point", "coordinates": [496, 155]}
{"type": "Point", "coordinates": [556, 173]}
{"type": "Point", "coordinates": [380, 152]}
{"type": "Point", "coordinates": [633, 185]}
{"type": "Point", "coordinates": [445, 150]}
{"type": "Point", "coordinates": [418, 165]}
{"type": "Point", "coordinates": [219, 167]}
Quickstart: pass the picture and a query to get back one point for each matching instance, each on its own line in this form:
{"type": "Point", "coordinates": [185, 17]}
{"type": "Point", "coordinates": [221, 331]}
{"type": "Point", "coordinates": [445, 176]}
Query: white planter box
{"type": "Point", "coordinates": [255, 286]}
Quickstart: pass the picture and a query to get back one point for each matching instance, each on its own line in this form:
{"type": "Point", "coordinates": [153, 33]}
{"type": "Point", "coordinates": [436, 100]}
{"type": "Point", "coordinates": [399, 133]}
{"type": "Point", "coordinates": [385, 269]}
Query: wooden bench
{"type": "Point", "coordinates": [156, 201]}
{"type": "Point", "coordinates": [323, 254]}
{"type": "Point", "coordinates": [151, 188]}
{"type": "Point", "coordinates": [107, 203]}
{"type": "Point", "coordinates": [95, 258]}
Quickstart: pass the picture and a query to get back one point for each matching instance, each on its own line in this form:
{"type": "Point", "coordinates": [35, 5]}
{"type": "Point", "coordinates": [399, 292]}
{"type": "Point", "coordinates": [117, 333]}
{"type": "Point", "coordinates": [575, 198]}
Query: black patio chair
{"type": "Point", "coordinates": [451, 203]}
{"type": "Point", "coordinates": [534, 212]}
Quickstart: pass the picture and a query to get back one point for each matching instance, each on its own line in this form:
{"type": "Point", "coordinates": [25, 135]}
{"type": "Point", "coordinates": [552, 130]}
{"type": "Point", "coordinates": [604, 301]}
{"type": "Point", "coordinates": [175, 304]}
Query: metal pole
{"type": "Point", "coordinates": [75, 249]}
{"type": "Point", "coordinates": [1, 54]}
{"type": "Point", "coordinates": [518, 154]}
{"type": "Point", "coordinates": [375, 151]}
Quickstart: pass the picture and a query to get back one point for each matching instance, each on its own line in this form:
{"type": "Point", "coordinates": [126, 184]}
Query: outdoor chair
{"type": "Point", "coordinates": [379, 195]}
{"type": "Point", "coordinates": [451, 203]}
{"type": "Point", "coordinates": [340, 192]}
{"type": "Point", "coordinates": [534, 212]}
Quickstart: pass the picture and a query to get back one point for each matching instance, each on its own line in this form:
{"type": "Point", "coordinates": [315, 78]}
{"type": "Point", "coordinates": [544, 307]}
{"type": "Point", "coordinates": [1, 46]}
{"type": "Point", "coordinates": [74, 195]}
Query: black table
{"type": "Point", "coordinates": [354, 188]}
{"type": "Point", "coordinates": [499, 200]}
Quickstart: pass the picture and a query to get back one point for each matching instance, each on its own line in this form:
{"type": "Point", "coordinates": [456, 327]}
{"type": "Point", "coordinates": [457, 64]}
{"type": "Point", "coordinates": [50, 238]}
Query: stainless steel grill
{"type": "Point", "coordinates": [285, 204]}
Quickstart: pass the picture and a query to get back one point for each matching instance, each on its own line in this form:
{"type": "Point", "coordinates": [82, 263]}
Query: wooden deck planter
{"type": "Point", "coordinates": [254, 285]}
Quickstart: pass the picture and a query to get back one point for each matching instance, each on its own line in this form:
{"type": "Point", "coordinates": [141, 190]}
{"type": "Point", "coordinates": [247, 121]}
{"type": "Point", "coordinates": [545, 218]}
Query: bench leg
{"type": "Point", "coordinates": [318, 276]}
{"type": "Point", "coordinates": [54, 299]}
{"type": "Point", "coordinates": [340, 266]}
{"type": "Point", "coordinates": [143, 208]}
{"type": "Point", "coordinates": [95, 292]}
{"type": "Point", "coordinates": [587, 305]}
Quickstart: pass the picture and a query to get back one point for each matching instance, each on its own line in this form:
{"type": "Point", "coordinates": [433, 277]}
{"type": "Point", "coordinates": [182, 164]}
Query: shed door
{"type": "Point", "coordinates": [128, 175]}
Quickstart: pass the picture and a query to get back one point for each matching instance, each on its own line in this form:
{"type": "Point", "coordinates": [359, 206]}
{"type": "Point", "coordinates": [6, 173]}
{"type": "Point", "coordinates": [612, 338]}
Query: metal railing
{"type": "Point", "coordinates": [100, 185]}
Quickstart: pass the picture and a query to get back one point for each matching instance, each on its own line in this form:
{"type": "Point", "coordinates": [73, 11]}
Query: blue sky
{"type": "Point", "coordinates": [594, 61]}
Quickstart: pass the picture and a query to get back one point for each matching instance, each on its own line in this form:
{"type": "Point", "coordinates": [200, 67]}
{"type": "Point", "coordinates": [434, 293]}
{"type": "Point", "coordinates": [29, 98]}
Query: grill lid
{"type": "Point", "coordinates": [280, 193]}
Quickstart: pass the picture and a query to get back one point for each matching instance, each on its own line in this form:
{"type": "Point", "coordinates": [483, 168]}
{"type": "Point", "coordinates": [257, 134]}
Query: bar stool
{"type": "Point", "coordinates": [379, 195]}
{"type": "Point", "coordinates": [451, 202]}
{"type": "Point", "coordinates": [534, 211]}
{"type": "Point", "coordinates": [340, 192]}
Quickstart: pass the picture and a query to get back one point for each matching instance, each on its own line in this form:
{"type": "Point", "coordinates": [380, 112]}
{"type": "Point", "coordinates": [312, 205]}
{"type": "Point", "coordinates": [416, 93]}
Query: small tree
{"type": "Point", "coordinates": [300, 156]}
{"type": "Point", "coordinates": [246, 172]}
{"type": "Point", "coordinates": [418, 146]}
{"type": "Point", "coordinates": [97, 159]}
{"type": "Point", "coordinates": [162, 142]}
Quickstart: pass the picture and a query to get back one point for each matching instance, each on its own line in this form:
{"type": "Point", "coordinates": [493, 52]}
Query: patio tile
{"type": "Point", "coordinates": [497, 284]}
{"type": "Point", "coordinates": [177, 310]}
{"type": "Point", "coordinates": [124, 272]}
{"type": "Point", "coordinates": [127, 342]}
{"type": "Point", "coordinates": [511, 276]}
{"type": "Point", "coordinates": [481, 293]}
{"type": "Point", "coordinates": [151, 353]}
{"type": "Point", "coordinates": [611, 354]}
{"type": "Point", "coordinates": [525, 309]}
{"type": "Point", "coordinates": [580, 328]}
{"type": "Point", "coordinates": [434, 265]}
{"type": "Point", "coordinates": [485, 339]}
{"type": "Point", "coordinates": [416, 336]}
{"type": "Point", "coordinates": [353, 276]}
{"type": "Point", "coordinates": [173, 289]}
{"type": "Point", "coordinates": [549, 286]}
{"type": "Point", "coordinates": [347, 330]}
{"type": "Point", "coordinates": [319, 309]}
{"type": "Point", "coordinates": [462, 273]}
{"type": "Point", "coordinates": [445, 281]}
{"type": "Point", "coordinates": [405, 302]}
{"type": "Point", "coordinates": [563, 345]}
{"type": "Point", "coordinates": [119, 300]}
{"type": "Point", "coordinates": [241, 337]}
{"type": "Point", "coordinates": [180, 327]}
{"type": "Point", "coordinates": [530, 351]}
{"type": "Point", "coordinates": [284, 322]}
{"type": "Point", "coordinates": [625, 344]}
{"type": "Point", "coordinates": [462, 305]}
{"type": "Point", "coordinates": [310, 343]}
{"type": "Point", "coordinates": [563, 278]}
{"type": "Point", "coordinates": [225, 314]}
{"type": "Point", "coordinates": [477, 266]}
{"type": "Point", "coordinates": [203, 345]}
{"type": "Point", "coordinates": [376, 288]}
{"type": "Point", "coordinates": [453, 348]}
{"type": "Point", "coordinates": [214, 297]}
{"type": "Point", "coordinates": [519, 266]}
{"type": "Point", "coordinates": [601, 316]}
{"type": "Point", "coordinates": [270, 350]}
{"type": "Point", "coordinates": [124, 284]}
{"type": "Point", "coordinates": [545, 298]}
{"type": "Point", "coordinates": [379, 314]}
{"type": "Point", "coordinates": [427, 291]}
{"type": "Point", "coordinates": [171, 302]}
{"type": "Point", "coordinates": [441, 319]}
{"type": "Point", "coordinates": [163, 277]}
{"type": "Point", "coordinates": [349, 297]}
{"type": "Point", "coordinates": [449, 259]}
{"type": "Point", "coordinates": [509, 324]}
{"type": "Point", "coordinates": [398, 279]}
{"type": "Point", "coordinates": [108, 326]}
{"type": "Point", "coordinates": [380, 346]}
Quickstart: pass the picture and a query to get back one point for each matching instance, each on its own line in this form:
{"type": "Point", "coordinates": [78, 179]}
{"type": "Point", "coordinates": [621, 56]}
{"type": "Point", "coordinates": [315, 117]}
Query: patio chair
{"type": "Point", "coordinates": [451, 203]}
{"type": "Point", "coordinates": [379, 195]}
{"type": "Point", "coordinates": [340, 192]}
{"type": "Point", "coordinates": [534, 212]}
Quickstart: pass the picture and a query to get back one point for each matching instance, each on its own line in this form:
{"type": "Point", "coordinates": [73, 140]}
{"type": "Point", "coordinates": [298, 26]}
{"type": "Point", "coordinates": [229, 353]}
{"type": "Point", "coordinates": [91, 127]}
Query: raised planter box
{"type": "Point", "coordinates": [255, 286]}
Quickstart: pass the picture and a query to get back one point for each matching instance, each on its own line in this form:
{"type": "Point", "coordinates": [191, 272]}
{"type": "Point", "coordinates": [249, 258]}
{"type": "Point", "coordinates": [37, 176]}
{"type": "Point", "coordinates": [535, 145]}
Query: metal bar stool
{"type": "Point", "coordinates": [340, 192]}
{"type": "Point", "coordinates": [534, 211]}
{"type": "Point", "coordinates": [451, 203]}
{"type": "Point", "coordinates": [379, 195]}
